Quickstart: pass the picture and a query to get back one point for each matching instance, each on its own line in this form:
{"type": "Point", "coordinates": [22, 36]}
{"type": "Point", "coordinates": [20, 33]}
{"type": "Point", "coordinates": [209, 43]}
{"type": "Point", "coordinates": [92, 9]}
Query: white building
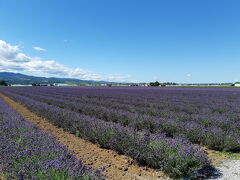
{"type": "Point", "coordinates": [18, 85]}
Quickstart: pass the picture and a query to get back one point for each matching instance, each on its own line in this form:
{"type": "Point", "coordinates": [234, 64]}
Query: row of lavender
{"type": "Point", "coordinates": [175, 156]}
{"type": "Point", "coordinates": [215, 132]}
{"type": "Point", "coordinates": [197, 105]}
{"type": "Point", "coordinates": [217, 105]}
{"type": "Point", "coordinates": [29, 153]}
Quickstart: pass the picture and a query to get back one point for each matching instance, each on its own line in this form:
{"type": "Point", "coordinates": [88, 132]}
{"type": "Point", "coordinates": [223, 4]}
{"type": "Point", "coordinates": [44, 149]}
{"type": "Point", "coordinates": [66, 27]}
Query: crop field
{"type": "Point", "coordinates": [167, 129]}
{"type": "Point", "coordinates": [29, 153]}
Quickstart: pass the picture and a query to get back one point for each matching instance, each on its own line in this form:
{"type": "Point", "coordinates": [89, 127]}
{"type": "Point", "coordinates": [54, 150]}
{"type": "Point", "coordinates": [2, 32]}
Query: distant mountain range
{"type": "Point", "coordinates": [17, 78]}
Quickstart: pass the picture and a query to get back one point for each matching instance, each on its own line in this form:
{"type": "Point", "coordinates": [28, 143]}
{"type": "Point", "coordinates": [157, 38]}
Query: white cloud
{"type": "Point", "coordinates": [12, 60]}
{"type": "Point", "coordinates": [39, 48]}
{"type": "Point", "coordinates": [189, 75]}
{"type": "Point", "coordinates": [117, 77]}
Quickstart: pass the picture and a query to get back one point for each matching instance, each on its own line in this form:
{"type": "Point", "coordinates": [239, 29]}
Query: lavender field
{"type": "Point", "coordinates": [162, 128]}
{"type": "Point", "coordinates": [26, 152]}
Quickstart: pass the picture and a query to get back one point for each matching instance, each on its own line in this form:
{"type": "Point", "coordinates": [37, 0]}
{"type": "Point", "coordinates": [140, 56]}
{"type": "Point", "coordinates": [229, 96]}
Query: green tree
{"type": "Point", "coordinates": [154, 83]}
{"type": "Point", "coordinates": [3, 83]}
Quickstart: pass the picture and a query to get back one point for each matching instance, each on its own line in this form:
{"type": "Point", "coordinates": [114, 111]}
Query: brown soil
{"type": "Point", "coordinates": [117, 167]}
{"type": "Point", "coordinates": [1, 177]}
{"type": "Point", "coordinates": [217, 156]}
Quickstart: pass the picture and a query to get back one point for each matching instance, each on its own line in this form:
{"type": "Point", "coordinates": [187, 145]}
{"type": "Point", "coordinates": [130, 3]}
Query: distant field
{"type": "Point", "coordinates": [163, 128]}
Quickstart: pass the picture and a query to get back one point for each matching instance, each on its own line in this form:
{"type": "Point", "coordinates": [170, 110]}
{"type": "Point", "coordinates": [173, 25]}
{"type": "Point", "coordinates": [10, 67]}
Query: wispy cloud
{"type": "Point", "coordinates": [12, 60]}
{"type": "Point", "coordinates": [189, 75]}
{"type": "Point", "coordinates": [39, 48]}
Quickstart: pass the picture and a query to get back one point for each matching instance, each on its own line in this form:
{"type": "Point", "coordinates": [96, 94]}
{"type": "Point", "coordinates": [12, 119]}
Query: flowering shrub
{"type": "Point", "coordinates": [29, 153]}
{"type": "Point", "coordinates": [216, 131]}
{"type": "Point", "coordinates": [176, 156]}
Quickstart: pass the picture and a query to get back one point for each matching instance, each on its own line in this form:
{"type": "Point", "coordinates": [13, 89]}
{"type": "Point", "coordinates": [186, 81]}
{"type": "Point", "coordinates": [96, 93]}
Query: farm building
{"type": "Point", "coordinates": [237, 84]}
{"type": "Point", "coordinates": [21, 85]}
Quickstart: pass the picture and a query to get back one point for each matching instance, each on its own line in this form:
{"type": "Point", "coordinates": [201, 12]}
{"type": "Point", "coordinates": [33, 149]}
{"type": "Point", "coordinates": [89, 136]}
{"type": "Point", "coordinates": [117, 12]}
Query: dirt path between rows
{"type": "Point", "coordinates": [117, 167]}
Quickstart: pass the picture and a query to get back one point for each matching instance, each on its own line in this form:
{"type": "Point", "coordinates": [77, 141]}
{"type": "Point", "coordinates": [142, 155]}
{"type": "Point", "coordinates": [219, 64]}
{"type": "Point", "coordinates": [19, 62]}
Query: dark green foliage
{"type": "Point", "coordinates": [155, 84]}
{"type": "Point", "coordinates": [3, 83]}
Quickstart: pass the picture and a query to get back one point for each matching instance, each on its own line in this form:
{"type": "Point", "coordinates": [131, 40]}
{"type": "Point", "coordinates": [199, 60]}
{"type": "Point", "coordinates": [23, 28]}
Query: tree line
{"type": "Point", "coordinates": [3, 83]}
{"type": "Point", "coordinates": [156, 84]}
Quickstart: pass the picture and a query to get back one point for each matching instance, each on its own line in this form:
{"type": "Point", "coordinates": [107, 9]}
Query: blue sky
{"type": "Point", "coordinates": [123, 40]}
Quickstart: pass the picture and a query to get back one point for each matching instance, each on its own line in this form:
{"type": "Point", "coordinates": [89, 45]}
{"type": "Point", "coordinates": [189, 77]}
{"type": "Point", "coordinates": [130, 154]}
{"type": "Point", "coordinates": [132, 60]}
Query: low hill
{"type": "Point", "coordinates": [17, 78]}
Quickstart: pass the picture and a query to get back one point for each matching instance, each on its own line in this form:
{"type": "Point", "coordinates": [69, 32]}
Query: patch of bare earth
{"type": "Point", "coordinates": [218, 156]}
{"type": "Point", "coordinates": [117, 167]}
{"type": "Point", "coordinates": [215, 156]}
{"type": "Point", "coordinates": [1, 177]}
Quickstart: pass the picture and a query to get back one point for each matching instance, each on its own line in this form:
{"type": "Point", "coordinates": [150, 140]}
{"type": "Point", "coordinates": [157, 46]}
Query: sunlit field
{"type": "Point", "coordinates": [162, 128]}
